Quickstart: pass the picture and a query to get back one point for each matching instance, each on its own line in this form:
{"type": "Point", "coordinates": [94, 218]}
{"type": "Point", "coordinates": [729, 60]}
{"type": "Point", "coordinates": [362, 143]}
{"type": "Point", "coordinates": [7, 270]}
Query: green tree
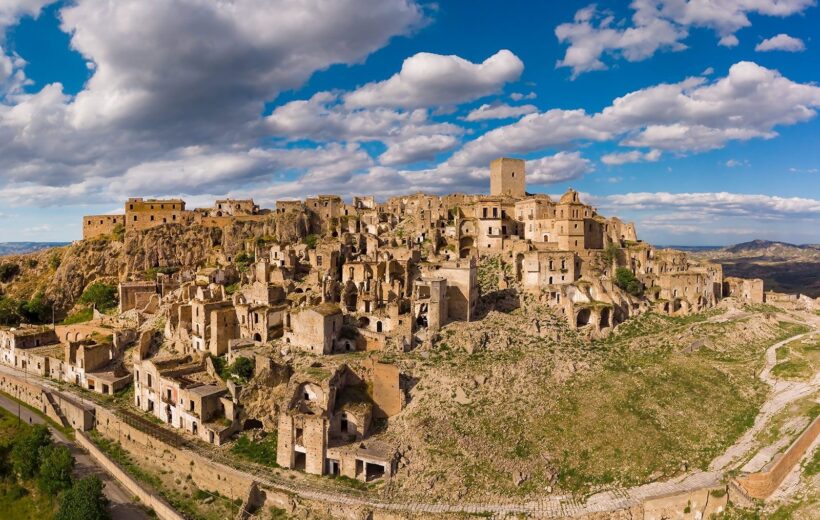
{"type": "Point", "coordinates": [9, 311]}
{"type": "Point", "coordinates": [102, 295]}
{"type": "Point", "coordinates": [84, 501]}
{"type": "Point", "coordinates": [56, 464]}
{"type": "Point", "coordinates": [243, 367]}
{"type": "Point", "coordinates": [25, 454]}
{"type": "Point", "coordinates": [8, 271]}
{"type": "Point", "coordinates": [625, 279]}
{"type": "Point", "coordinates": [37, 309]}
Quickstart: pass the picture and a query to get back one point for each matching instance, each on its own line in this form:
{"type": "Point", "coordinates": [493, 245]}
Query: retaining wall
{"type": "Point", "coordinates": [205, 474]}
{"type": "Point", "coordinates": [163, 510]}
{"type": "Point", "coordinates": [764, 483]}
{"type": "Point", "coordinates": [76, 414]}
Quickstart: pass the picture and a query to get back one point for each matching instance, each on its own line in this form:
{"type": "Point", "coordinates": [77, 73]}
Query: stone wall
{"type": "Point", "coordinates": [163, 510]}
{"type": "Point", "coordinates": [764, 483]}
{"type": "Point", "coordinates": [55, 405]}
{"type": "Point", "coordinates": [100, 225]}
{"type": "Point", "coordinates": [205, 474]}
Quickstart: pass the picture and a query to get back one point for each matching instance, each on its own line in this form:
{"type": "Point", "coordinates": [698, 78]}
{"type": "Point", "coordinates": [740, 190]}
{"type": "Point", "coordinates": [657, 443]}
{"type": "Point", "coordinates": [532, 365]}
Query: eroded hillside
{"type": "Point", "coordinates": [517, 404]}
{"type": "Point", "coordinates": [61, 274]}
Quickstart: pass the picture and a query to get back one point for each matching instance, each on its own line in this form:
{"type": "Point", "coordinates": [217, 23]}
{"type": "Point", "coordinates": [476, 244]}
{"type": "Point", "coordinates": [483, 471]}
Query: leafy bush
{"type": "Point", "coordinates": [610, 254]}
{"type": "Point", "coordinates": [56, 464]}
{"type": "Point", "coordinates": [243, 367]}
{"type": "Point", "coordinates": [25, 454]}
{"type": "Point", "coordinates": [36, 310]}
{"type": "Point", "coordinates": [55, 260]}
{"type": "Point", "coordinates": [8, 271]}
{"type": "Point", "coordinates": [119, 232]}
{"type": "Point", "coordinates": [625, 279]}
{"type": "Point", "coordinates": [244, 259]}
{"type": "Point", "coordinates": [102, 295]}
{"type": "Point", "coordinates": [31, 263]}
{"type": "Point", "coordinates": [84, 501]}
{"type": "Point", "coordinates": [311, 241]}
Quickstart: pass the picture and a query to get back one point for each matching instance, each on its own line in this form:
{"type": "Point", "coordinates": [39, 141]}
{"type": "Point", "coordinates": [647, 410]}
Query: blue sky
{"type": "Point", "coordinates": [698, 124]}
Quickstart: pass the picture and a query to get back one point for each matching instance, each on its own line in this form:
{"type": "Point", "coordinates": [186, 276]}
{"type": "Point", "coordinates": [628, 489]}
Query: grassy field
{"type": "Point", "coordinates": [20, 501]}
{"type": "Point", "coordinates": [799, 359]}
{"type": "Point", "coordinates": [662, 396]}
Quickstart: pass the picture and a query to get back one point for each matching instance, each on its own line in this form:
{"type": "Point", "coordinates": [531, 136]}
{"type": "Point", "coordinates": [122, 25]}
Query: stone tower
{"type": "Point", "coordinates": [507, 177]}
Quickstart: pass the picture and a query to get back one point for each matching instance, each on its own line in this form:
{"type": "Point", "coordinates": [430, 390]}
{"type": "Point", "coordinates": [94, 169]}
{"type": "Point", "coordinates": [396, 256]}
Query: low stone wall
{"type": "Point", "coordinates": [701, 503]}
{"type": "Point", "coordinates": [74, 414]}
{"type": "Point", "coordinates": [764, 483]}
{"type": "Point", "coordinates": [163, 510]}
{"type": "Point", "coordinates": [205, 474]}
{"type": "Point", "coordinates": [26, 391]}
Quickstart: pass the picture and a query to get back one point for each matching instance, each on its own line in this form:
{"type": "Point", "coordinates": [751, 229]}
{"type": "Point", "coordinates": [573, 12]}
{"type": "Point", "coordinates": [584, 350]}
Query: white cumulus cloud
{"type": "Point", "coordinates": [781, 42]}
{"type": "Point", "coordinates": [658, 25]}
{"type": "Point", "coordinates": [428, 79]}
{"type": "Point", "coordinates": [563, 166]}
{"type": "Point", "coordinates": [634, 156]}
{"type": "Point", "coordinates": [499, 111]}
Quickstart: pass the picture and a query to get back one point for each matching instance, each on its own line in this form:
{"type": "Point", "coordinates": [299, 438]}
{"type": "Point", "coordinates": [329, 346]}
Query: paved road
{"type": "Point", "coordinates": [121, 506]}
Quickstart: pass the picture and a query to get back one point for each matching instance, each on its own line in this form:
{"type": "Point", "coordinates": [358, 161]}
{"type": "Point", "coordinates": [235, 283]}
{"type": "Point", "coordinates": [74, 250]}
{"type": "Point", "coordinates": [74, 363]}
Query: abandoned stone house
{"type": "Point", "coordinates": [179, 392]}
{"type": "Point", "coordinates": [314, 329]}
{"type": "Point", "coordinates": [89, 362]}
{"type": "Point", "coordinates": [748, 291]}
{"type": "Point", "coordinates": [324, 428]}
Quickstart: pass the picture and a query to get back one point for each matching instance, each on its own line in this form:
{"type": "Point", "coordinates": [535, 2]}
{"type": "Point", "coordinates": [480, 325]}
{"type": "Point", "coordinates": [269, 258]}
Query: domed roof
{"type": "Point", "coordinates": [569, 197]}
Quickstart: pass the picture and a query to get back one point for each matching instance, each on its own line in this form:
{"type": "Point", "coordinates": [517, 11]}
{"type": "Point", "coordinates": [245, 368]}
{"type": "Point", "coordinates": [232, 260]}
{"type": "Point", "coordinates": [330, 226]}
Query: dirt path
{"type": "Point", "coordinates": [783, 393]}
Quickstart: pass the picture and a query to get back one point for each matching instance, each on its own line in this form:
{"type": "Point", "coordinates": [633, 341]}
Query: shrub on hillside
{"type": "Point", "coordinates": [625, 279]}
{"type": "Point", "coordinates": [8, 271]}
{"type": "Point", "coordinates": [102, 295]}
{"type": "Point", "coordinates": [311, 241]}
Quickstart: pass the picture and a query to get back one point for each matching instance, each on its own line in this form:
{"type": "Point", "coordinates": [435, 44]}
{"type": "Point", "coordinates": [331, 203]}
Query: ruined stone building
{"type": "Point", "coordinates": [317, 309]}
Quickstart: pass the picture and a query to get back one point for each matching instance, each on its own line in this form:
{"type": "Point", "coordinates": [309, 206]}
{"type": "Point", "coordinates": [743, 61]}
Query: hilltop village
{"type": "Point", "coordinates": [360, 277]}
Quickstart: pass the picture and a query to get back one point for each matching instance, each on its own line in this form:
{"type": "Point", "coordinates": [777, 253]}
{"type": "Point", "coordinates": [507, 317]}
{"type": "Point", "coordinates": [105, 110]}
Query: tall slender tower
{"type": "Point", "coordinates": [507, 177]}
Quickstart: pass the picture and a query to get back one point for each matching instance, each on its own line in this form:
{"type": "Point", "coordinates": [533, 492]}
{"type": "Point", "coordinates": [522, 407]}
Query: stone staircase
{"type": "Point", "coordinates": [54, 409]}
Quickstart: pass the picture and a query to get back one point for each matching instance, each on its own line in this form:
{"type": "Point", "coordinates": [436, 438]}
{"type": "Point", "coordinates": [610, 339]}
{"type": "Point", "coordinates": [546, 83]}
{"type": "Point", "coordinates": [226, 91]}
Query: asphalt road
{"type": "Point", "coordinates": [121, 505]}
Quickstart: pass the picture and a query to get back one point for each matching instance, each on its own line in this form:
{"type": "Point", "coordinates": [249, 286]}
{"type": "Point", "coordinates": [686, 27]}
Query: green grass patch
{"type": "Point", "coordinates": [80, 316]}
{"type": "Point", "coordinates": [262, 451]}
{"type": "Point", "coordinates": [812, 466]}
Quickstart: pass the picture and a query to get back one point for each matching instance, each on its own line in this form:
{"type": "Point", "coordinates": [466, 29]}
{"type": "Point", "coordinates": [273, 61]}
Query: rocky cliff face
{"type": "Point", "coordinates": [172, 245]}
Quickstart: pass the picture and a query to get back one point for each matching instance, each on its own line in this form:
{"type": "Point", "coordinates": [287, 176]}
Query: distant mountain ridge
{"type": "Point", "coordinates": [784, 267]}
{"type": "Point", "coordinates": [768, 246]}
{"type": "Point", "coordinates": [19, 248]}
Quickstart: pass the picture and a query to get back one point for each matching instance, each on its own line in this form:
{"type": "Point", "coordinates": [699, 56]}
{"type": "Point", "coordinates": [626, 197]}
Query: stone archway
{"type": "Point", "coordinates": [582, 317]}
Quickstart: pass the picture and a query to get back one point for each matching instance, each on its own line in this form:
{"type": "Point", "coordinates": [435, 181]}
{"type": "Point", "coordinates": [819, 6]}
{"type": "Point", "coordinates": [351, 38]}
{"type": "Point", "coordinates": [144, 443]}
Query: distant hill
{"type": "Point", "coordinates": [784, 267]}
{"type": "Point", "coordinates": [19, 248]}
{"type": "Point", "coordinates": [769, 247]}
